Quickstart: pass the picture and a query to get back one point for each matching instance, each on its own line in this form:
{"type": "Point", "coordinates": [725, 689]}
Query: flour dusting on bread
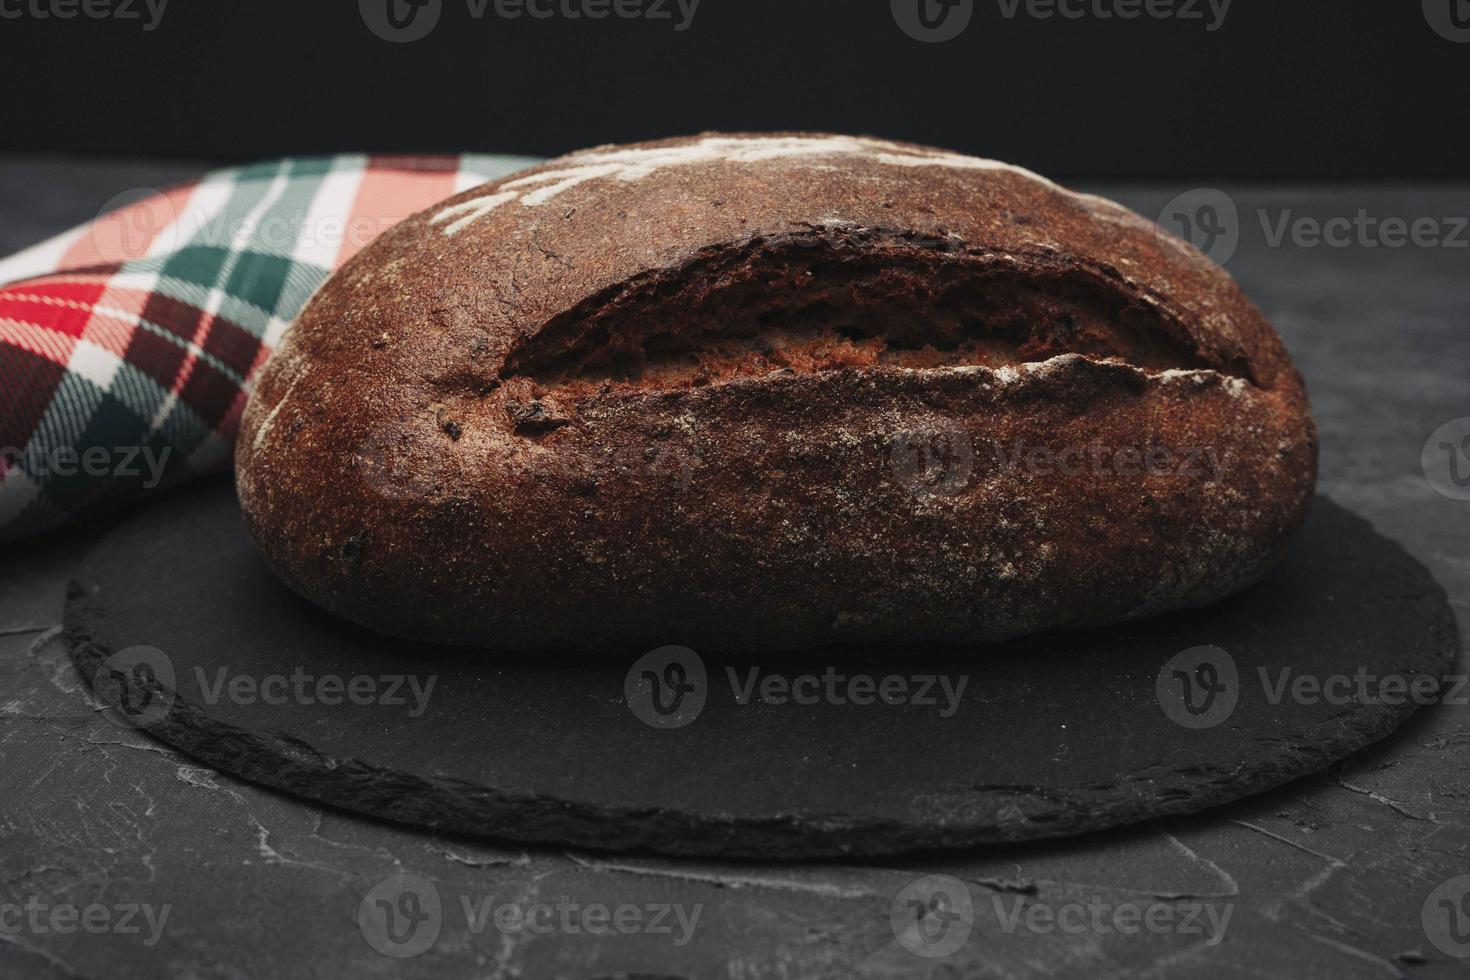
{"type": "Point", "coordinates": [637, 163]}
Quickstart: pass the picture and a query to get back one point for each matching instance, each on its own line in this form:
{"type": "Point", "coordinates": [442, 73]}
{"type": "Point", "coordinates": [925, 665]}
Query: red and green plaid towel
{"type": "Point", "coordinates": [127, 346]}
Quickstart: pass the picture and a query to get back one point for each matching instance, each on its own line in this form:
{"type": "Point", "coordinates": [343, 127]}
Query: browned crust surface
{"type": "Point", "coordinates": [768, 392]}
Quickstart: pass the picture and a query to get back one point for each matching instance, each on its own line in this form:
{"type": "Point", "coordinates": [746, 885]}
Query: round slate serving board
{"type": "Point", "coordinates": [183, 631]}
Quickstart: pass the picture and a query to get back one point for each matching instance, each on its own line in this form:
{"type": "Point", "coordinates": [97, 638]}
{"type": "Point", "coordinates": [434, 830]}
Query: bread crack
{"type": "Point", "coordinates": [825, 300]}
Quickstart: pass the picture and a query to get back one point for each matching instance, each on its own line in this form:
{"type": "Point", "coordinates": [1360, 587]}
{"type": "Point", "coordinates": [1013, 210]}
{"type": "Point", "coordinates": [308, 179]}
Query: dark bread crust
{"type": "Point", "coordinates": [686, 391]}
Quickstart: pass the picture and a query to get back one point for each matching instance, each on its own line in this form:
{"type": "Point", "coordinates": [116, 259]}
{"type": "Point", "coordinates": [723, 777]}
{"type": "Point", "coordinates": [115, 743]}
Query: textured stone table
{"type": "Point", "coordinates": [1328, 877]}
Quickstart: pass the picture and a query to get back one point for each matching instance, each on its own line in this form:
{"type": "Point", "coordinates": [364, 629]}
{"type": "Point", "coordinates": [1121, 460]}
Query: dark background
{"type": "Point", "coordinates": [1285, 89]}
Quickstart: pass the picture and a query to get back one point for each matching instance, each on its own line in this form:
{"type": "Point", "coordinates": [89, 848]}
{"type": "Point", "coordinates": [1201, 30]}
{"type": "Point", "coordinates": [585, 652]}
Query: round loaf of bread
{"type": "Point", "coordinates": [762, 392]}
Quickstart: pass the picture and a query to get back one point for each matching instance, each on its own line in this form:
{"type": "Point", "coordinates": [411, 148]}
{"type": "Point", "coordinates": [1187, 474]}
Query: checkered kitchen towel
{"type": "Point", "coordinates": [127, 346]}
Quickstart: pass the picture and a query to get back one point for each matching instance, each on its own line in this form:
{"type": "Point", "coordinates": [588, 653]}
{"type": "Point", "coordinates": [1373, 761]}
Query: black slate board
{"type": "Point", "coordinates": [1052, 736]}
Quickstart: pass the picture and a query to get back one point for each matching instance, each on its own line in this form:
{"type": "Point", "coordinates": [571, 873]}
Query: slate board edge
{"type": "Point", "coordinates": [447, 805]}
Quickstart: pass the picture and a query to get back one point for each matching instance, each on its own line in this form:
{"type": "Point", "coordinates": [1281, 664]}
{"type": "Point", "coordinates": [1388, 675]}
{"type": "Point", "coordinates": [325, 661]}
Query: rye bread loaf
{"type": "Point", "coordinates": [760, 392]}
